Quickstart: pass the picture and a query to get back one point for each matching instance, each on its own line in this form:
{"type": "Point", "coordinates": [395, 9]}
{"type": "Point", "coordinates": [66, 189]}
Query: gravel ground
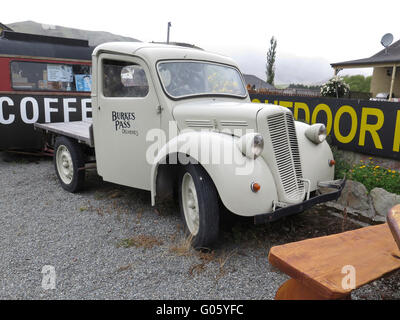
{"type": "Point", "coordinates": [109, 243]}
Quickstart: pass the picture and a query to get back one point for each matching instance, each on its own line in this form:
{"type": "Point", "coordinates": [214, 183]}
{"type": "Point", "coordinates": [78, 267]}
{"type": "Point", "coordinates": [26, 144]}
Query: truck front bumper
{"type": "Point", "coordinates": [338, 185]}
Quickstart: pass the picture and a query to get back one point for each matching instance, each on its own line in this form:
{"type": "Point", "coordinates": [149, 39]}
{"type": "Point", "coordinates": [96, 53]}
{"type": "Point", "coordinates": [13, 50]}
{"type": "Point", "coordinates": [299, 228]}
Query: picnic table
{"type": "Point", "coordinates": [320, 268]}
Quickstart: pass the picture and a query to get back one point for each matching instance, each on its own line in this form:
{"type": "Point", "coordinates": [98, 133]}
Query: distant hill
{"type": "Point", "coordinates": [94, 37]}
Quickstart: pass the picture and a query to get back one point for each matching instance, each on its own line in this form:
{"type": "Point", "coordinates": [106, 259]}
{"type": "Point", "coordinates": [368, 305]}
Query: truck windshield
{"type": "Point", "coordinates": [183, 78]}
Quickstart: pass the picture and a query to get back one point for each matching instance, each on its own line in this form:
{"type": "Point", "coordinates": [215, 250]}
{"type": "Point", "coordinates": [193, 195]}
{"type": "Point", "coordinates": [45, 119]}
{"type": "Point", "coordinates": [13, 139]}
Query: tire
{"type": "Point", "coordinates": [68, 158]}
{"type": "Point", "coordinates": [199, 207]}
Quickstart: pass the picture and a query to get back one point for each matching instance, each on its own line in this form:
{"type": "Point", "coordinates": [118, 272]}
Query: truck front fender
{"type": "Point", "coordinates": [231, 172]}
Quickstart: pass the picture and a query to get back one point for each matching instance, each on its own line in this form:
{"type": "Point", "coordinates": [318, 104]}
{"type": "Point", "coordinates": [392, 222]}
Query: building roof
{"type": "Point", "coordinates": [4, 27]}
{"type": "Point", "coordinates": [257, 82]}
{"type": "Point", "coordinates": [382, 58]}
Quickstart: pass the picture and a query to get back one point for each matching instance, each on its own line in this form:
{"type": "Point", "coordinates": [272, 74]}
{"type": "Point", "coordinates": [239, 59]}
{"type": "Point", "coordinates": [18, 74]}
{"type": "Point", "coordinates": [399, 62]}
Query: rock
{"type": "Point", "coordinates": [382, 201]}
{"type": "Point", "coordinates": [355, 196]}
{"type": "Point", "coordinates": [370, 208]}
{"type": "Point", "coordinates": [355, 199]}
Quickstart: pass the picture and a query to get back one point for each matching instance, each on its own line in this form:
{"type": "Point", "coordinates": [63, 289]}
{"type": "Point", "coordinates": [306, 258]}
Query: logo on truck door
{"type": "Point", "coordinates": [124, 122]}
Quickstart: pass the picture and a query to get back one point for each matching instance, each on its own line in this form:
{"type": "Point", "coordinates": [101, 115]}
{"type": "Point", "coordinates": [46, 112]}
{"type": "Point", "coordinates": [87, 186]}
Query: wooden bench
{"type": "Point", "coordinates": [317, 267]}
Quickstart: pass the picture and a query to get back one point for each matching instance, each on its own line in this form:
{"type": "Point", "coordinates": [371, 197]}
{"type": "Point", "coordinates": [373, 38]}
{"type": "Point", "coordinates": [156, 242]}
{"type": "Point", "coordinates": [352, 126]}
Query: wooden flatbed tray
{"type": "Point", "coordinates": [79, 130]}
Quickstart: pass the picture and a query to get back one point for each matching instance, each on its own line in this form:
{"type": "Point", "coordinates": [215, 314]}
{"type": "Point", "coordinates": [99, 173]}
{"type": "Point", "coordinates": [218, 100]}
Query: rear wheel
{"type": "Point", "coordinates": [69, 163]}
{"type": "Point", "coordinates": [198, 200]}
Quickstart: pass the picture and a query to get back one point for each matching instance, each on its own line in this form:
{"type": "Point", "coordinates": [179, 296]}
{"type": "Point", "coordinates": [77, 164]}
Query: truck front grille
{"type": "Point", "coordinates": [287, 157]}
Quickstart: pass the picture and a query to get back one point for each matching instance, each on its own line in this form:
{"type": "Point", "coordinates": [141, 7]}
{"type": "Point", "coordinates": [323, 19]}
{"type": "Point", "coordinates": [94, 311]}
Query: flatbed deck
{"type": "Point", "coordinates": [79, 130]}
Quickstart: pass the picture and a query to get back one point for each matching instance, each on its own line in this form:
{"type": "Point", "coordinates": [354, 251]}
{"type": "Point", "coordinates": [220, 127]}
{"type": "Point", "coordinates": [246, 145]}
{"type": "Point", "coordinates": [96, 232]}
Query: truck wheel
{"type": "Point", "coordinates": [68, 158]}
{"type": "Point", "coordinates": [198, 200]}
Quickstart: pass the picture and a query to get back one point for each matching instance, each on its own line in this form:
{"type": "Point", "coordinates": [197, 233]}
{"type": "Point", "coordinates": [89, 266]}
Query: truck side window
{"type": "Point", "coordinates": [124, 79]}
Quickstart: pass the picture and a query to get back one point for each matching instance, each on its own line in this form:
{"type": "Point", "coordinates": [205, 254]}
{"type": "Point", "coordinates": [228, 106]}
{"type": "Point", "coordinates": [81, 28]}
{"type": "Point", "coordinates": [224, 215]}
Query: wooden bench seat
{"type": "Point", "coordinates": [315, 265]}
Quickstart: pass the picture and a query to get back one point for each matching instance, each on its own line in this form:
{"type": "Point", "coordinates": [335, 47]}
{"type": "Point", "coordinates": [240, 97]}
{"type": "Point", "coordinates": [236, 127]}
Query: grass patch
{"type": "Point", "coordinates": [99, 195]}
{"type": "Point", "coordinates": [124, 268]}
{"type": "Point", "coordinates": [183, 247]}
{"type": "Point", "coordinates": [114, 194]}
{"type": "Point", "coordinates": [140, 241]}
{"type": "Point", "coordinates": [219, 259]}
{"type": "Point", "coordinates": [222, 260]}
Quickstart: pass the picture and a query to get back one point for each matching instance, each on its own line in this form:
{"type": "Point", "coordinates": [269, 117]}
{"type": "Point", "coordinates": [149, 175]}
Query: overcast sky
{"type": "Point", "coordinates": [327, 31]}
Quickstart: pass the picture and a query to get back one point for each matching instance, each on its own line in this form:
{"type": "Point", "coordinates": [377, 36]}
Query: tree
{"type": "Point", "coordinates": [304, 86]}
{"type": "Point", "coordinates": [271, 61]}
{"type": "Point", "coordinates": [358, 83]}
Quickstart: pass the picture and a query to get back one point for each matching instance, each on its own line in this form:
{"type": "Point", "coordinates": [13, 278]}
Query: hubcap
{"type": "Point", "coordinates": [64, 164]}
{"type": "Point", "coordinates": [190, 204]}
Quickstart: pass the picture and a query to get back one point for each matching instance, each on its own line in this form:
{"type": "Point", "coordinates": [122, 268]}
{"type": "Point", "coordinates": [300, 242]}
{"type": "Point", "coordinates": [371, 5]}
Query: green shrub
{"type": "Point", "coordinates": [342, 167]}
{"type": "Point", "coordinates": [374, 176]}
{"type": "Point", "coordinates": [368, 172]}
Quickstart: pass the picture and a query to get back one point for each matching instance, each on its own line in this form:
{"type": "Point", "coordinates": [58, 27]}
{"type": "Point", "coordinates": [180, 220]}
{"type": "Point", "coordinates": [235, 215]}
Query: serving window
{"type": "Point", "coordinates": [39, 76]}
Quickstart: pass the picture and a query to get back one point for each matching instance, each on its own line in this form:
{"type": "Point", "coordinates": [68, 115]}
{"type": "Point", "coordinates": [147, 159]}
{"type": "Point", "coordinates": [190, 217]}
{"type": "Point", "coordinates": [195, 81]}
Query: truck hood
{"type": "Point", "coordinates": [200, 115]}
{"type": "Point", "coordinates": [221, 115]}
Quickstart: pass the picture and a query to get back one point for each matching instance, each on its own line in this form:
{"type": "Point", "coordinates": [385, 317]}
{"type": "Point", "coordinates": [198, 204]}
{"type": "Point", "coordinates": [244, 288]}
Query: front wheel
{"type": "Point", "coordinates": [69, 164]}
{"type": "Point", "coordinates": [198, 200]}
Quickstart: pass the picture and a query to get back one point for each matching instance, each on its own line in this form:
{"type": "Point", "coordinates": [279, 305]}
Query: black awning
{"type": "Point", "coordinates": [24, 44]}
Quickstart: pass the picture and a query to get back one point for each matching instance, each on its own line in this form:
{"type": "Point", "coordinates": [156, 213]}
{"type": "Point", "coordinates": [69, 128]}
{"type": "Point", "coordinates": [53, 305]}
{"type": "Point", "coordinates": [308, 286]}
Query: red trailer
{"type": "Point", "coordinates": [42, 79]}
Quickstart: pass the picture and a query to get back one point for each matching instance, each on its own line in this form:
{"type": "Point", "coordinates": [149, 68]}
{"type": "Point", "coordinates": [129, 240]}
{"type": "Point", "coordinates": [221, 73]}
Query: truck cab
{"type": "Point", "coordinates": [173, 118]}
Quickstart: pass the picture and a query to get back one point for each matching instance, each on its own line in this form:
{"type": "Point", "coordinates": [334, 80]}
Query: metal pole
{"type": "Point", "coordinates": [169, 26]}
{"type": "Point", "coordinates": [392, 82]}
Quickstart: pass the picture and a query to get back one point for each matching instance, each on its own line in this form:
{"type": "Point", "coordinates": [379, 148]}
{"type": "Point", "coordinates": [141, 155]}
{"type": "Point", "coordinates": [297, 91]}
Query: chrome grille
{"type": "Point", "coordinates": [286, 152]}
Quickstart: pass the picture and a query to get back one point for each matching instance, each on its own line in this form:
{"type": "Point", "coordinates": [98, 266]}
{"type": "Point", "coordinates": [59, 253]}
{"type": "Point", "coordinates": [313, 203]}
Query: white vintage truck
{"type": "Point", "coordinates": [169, 118]}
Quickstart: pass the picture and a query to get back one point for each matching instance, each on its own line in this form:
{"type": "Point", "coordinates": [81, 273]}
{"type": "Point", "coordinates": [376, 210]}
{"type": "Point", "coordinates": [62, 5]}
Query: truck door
{"type": "Point", "coordinates": [126, 110]}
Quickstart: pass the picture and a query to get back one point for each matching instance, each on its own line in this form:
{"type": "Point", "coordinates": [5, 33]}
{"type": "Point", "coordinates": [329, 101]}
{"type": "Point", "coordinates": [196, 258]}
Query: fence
{"type": "Point", "coordinates": [288, 92]}
{"type": "Point", "coordinates": [369, 127]}
{"type": "Point", "coordinates": [308, 93]}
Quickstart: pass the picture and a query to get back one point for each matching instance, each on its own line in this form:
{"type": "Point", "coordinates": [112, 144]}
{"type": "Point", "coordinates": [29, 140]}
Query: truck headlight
{"type": "Point", "coordinates": [316, 133]}
{"type": "Point", "coordinates": [251, 145]}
